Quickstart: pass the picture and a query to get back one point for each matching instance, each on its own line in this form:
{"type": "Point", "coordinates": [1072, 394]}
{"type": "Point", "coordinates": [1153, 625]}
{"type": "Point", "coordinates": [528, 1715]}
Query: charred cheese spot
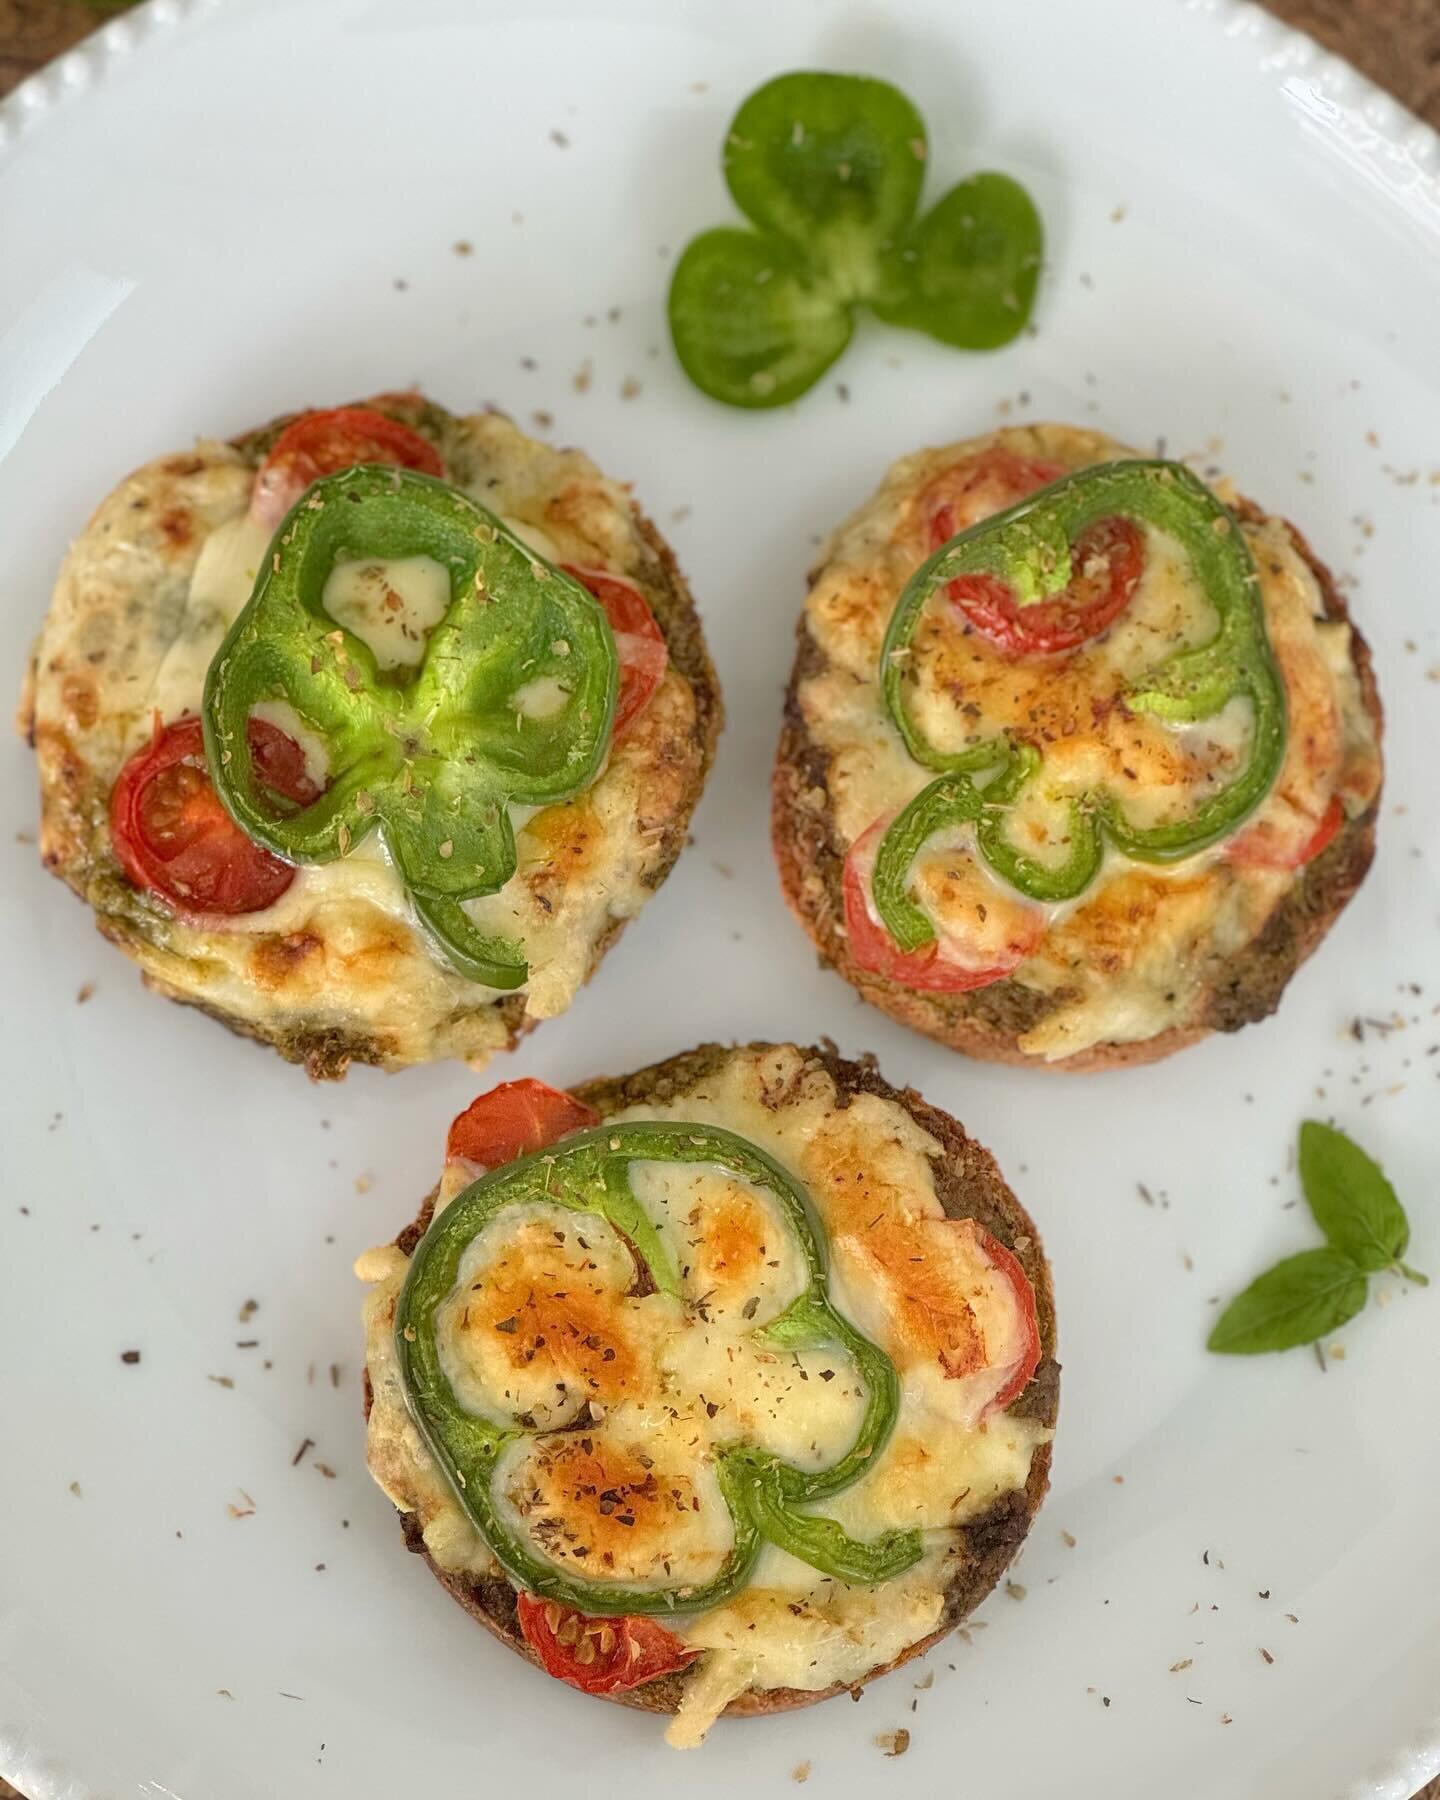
{"type": "Point", "coordinates": [859, 1174]}
{"type": "Point", "coordinates": [276, 961]}
{"type": "Point", "coordinates": [853, 610]}
{"type": "Point", "coordinates": [1119, 923]}
{"type": "Point", "coordinates": [739, 1264]}
{"type": "Point", "coordinates": [731, 1250]}
{"type": "Point", "coordinates": [581, 512]}
{"type": "Point", "coordinates": [615, 1505]}
{"type": "Point", "coordinates": [541, 1324]}
{"type": "Point", "coordinates": [360, 949]}
{"type": "Point", "coordinates": [81, 700]}
{"type": "Point", "coordinates": [178, 526]}
{"type": "Point", "coordinates": [943, 1301]}
{"type": "Point", "coordinates": [558, 845]}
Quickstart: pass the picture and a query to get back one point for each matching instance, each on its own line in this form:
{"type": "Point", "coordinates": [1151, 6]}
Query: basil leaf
{"type": "Point", "coordinates": [967, 272]}
{"type": "Point", "coordinates": [1353, 1203]}
{"type": "Point", "coordinates": [750, 327]}
{"type": "Point", "coordinates": [1297, 1301]}
{"type": "Point", "coordinates": [832, 164]}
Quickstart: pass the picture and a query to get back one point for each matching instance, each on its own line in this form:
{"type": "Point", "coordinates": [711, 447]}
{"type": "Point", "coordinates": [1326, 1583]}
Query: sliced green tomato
{"type": "Point", "coordinates": [751, 326]}
{"type": "Point", "coordinates": [967, 272]}
{"type": "Point", "coordinates": [831, 164]}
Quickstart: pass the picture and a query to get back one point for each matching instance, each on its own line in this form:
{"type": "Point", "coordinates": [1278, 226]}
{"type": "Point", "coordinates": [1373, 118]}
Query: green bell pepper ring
{"type": "Point", "coordinates": [432, 761]}
{"type": "Point", "coordinates": [1028, 548]}
{"type": "Point", "coordinates": [589, 1172]}
{"type": "Point", "coordinates": [828, 168]}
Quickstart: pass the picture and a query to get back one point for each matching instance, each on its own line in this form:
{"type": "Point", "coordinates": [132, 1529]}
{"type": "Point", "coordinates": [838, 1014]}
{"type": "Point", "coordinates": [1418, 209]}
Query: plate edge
{"type": "Point", "coordinates": [1282, 51]}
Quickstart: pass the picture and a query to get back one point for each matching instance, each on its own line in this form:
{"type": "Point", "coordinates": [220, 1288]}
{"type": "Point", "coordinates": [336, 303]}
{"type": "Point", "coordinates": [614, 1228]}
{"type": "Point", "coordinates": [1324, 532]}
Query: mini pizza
{"type": "Point", "coordinates": [1081, 758]}
{"type": "Point", "coordinates": [367, 732]}
{"type": "Point", "coordinates": [721, 1387]}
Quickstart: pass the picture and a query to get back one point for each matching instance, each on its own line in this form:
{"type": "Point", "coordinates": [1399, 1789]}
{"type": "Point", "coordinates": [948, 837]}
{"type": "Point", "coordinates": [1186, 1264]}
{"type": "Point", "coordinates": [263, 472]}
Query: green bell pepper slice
{"type": "Point", "coordinates": [1028, 547]}
{"type": "Point", "coordinates": [431, 761]}
{"type": "Point", "coordinates": [828, 169]}
{"type": "Point", "coordinates": [764, 1495]}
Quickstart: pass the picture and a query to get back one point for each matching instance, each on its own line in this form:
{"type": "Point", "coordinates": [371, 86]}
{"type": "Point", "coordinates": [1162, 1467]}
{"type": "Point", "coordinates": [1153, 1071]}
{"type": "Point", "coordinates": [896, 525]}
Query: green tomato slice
{"type": "Point", "coordinates": [751, 325]}
{"type": "Point", "coordinates": [967, 272]}
{"type": "Point", "coordinates": [832, 165]}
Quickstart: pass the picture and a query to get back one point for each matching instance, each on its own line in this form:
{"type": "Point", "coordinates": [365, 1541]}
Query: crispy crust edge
{"type": "Point", "coordinates": [326, 1052]}
{"type": "Point", "coordinates": [988, 1024]}
{"type": "Point", "coordinates": [969, 1185]}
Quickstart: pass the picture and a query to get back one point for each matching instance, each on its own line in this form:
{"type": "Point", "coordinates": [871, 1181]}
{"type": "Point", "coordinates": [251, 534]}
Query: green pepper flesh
{"type": "Point", "coordinates": [434, 762]}
{"type": "Point", "coordinates": [764, 1495]}
{"type": "Point", "coordinates": [1028, 547]}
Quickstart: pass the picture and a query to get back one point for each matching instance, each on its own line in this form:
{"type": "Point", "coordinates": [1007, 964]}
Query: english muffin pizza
{"type": "Point", "coordinates": [368, 731]}
{"type": "Point", "coordinates": [721, 1387]}
{"type": "Point", "coordinates": [1081, 757]}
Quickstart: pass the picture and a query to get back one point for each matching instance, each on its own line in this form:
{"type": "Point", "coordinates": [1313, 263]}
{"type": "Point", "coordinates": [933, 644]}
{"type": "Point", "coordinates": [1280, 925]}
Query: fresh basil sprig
{"type": "Point", "coordinates": [1307, 1296]}
{"type": "Point", "coordinates": [1353, 1202]}
{"type": "Point", "coordinates": [828, 168]}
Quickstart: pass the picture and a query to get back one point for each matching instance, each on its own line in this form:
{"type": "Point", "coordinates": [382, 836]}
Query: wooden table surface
{"type": "Point", "coordinates": [1396, 42]}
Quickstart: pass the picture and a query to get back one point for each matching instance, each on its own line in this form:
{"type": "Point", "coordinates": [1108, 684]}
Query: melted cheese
{"type": "Point", "coordinates": [630, 1502]}
{"type": "Point", "coordinates": [390, 603]}
{"type": "Point", "coordinates": [729, 1241]}
{"type": "Point", "coordinates": [142, 604]}
{"type": "Point", "coordinates": [539, 1323]}
{"type": "Point", "coordinates": [1133, 954]}
{"type": "Point", "coordinates": [768, 1638]}
{"type": "Point", "coordinates": [686, 1376]}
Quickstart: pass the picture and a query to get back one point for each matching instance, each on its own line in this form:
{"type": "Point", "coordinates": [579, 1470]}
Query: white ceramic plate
{"type": "Point", "coordinates": [210, 215]}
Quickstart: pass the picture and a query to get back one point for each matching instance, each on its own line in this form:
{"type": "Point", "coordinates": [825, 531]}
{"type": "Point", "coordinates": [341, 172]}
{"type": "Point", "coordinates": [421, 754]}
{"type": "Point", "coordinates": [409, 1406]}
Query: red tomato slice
{"type": "Point", "coordinates": [599, 1656]}
{"type": "Point", "coordinates": [986, 483]}
{"type": "Point", "coordinates": [639, 642]}
{"type": "Point", "coordinates": [1108, 559]}
{"type": "Point", "coordinates": [1262, 846]}
{"type": "Point", "coordinates": [512, 1119]}
{"type": "Point", "coordinates": [324, 443]}
{"type": "Point", "coordinates": [1024, 1356]}
{"type": "Point", "coordinates": [946, 965]}
{"type": "Point", "coordinates": [173, 836]}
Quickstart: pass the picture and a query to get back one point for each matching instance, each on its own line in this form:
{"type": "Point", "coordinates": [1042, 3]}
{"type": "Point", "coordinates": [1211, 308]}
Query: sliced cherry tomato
{"type": "Point", "coordinates": [1263, 846]}
{"type": "Point", "coordinates": [599, 1656]}
{"type": "Point", "coordinates": [1108, 559]}
{"type": "Point", "coordinates": [512, 1119]}
{"type": "Point", "coordinates": [174, 837]}
{"type": "Point", "coordinates": [947, 964]}
{"type": "Point", "coordinates": [324, 443]}
{"type": "Point", "coordinates": [639, 642]}
{"type": "Point", "coordinates": [957, 1297]}
{"type": "Point", "coordinates": [986, 483]}
{"type": "Point", "coordinates": [1022, 1357]}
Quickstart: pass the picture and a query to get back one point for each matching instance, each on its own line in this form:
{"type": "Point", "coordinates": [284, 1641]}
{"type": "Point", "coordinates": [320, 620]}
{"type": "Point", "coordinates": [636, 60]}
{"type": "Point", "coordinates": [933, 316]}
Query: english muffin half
{"type": "Point", "coordinates": [1080, 757]}
{"type": "Point", "coordinates": [725, 1386]}
{"type": "Point", "coordinates": [367, 732]}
